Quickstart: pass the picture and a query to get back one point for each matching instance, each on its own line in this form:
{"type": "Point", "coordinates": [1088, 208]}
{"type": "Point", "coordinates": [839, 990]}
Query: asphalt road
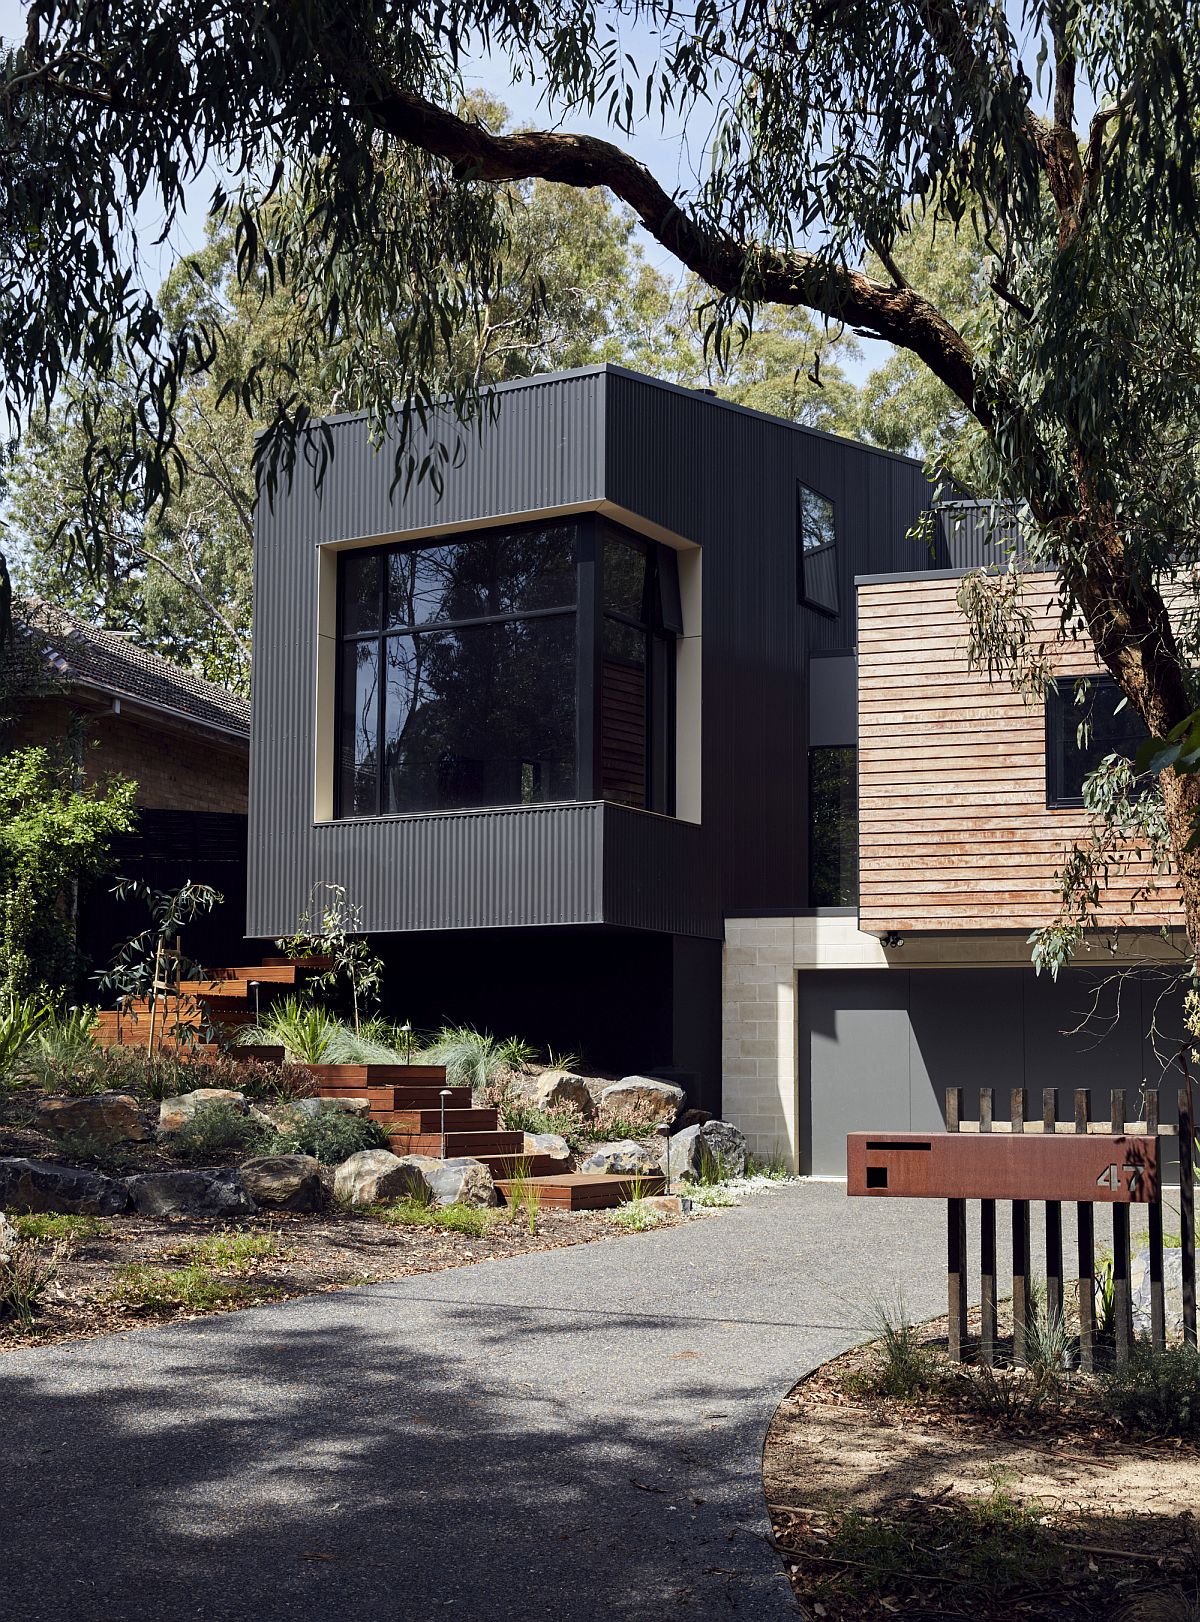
{"type": "Point", "coordinates": [570, 1434]}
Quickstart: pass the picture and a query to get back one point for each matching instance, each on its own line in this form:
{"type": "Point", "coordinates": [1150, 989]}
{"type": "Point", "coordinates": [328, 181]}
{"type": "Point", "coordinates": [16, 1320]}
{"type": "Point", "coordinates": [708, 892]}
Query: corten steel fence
{"type": "Point", "coordinates": [1052, 1162]}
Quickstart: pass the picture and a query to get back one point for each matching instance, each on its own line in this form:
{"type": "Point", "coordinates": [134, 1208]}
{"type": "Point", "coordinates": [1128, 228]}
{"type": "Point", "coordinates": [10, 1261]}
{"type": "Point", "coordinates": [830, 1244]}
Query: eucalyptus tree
{"type": "Point", "coordinates": [1064, 133]}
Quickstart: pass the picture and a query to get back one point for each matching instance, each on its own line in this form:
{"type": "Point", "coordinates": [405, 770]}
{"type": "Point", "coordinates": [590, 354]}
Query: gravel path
{"type": "Point", "coordinates": [573, 1434]}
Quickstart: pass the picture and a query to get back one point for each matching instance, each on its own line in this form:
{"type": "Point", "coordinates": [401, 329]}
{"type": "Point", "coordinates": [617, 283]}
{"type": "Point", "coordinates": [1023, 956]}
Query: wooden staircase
{"type": "Point", "coordinates": [405, 1099]}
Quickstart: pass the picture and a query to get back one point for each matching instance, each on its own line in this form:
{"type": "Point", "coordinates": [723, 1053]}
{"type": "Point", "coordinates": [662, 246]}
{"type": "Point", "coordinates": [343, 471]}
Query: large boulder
{"type": "Point", "coordinates": [624, 1158]}
{"type": "Point", "coordinates": [711, 1147]}
{"type": "Point", "coordinates": [459, 1181]}
{"type": "Point", "coordinates": [377, 1174]}
{"type": "Point", "coordinates": [35, 1185]}
{"type": "Point", "coordinates": [9, 1239]}
{"type": "Point", "coordinates": [103, 1117]}
{"type": "Point", "coordinates": [287, 1182]}
{"type": "Point", "coordinates": [213, 1191]}
{"type": "Point", "coordinates": [176, 1112]}
{"type": "Point", "coordinates": [642, 1096]}
{"type": "Point", "coordinates": [309, 1108]}
{"type": "Point", "coordinates": [548, 1145]}
{"type": "Point", "coordinates": [559, 1088]}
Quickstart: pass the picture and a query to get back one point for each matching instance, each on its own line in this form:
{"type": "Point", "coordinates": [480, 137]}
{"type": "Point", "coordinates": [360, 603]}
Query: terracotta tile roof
{"type": "Point", "coordinates": [59, 646]}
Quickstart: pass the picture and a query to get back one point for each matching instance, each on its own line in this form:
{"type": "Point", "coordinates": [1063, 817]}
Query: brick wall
{"type": "Point", "coordinates": [176, 768]}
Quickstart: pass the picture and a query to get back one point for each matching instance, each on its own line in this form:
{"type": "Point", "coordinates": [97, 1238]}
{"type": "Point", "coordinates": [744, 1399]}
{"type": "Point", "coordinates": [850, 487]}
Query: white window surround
{"type": "Point", "coordinates": [688, 647]}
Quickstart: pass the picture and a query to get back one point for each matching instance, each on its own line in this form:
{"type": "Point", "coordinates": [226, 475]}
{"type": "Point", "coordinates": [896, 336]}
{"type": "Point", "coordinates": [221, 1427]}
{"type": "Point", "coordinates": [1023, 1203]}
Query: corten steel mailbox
{"type": "Point", "coordinates": [1116, 1169]}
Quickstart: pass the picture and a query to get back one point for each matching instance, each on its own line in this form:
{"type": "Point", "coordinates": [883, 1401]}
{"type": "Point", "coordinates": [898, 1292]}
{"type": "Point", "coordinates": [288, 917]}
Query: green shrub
{"type": "Point", "coordinates": [218, 1128]}
{"type": "Point", "coordinates": [718, 1195]}
{"type": "Point", "coordinates": [330, 1137]}
{"type": "Point", "coordinates": [59, 1227]}
{"type": "Point", "coordinates": [1158, 1393]}
{"type": "Point", "coordinates": [232, 1250]}
{"type": "Point", "coordinates": [25, 1276]}
{"type": "Point", "coordinates": [21, 1018]}
{"type": "Point", "coordinates": [636, 1216]}
{"type": "Point", "coordinates": [302, 1029]}
{"type": "Point", "coordinates": [148, 1289]}
{"type": "Point", "coordinates": [900, 1365]}
{"type": "Point", "coordinates": [473, 1058]}
{"type": "Point", "coordinates": [414, 1213]}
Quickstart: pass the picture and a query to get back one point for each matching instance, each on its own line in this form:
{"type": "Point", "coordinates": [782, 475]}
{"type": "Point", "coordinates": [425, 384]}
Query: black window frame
{"type": "Point", "coordinates": [805, 555]}
{"type": "Point", "coordinates": [657, 622]}
{"type": "Point", "coordinates": [1063, 713]}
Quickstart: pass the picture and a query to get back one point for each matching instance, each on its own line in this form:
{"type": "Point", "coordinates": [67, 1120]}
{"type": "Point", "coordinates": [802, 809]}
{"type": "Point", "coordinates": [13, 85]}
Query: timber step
{"type": "Point", "coordinates": [475, 1144]}
{"type": "Point", "coordinates": [350, 1075]}
{"type": "Point", "coordinates": [425, 1121]}
{"type": "Point", "coordinates": [391, 1097]}
{"type": "Point", "coordinates": [576, 1191]}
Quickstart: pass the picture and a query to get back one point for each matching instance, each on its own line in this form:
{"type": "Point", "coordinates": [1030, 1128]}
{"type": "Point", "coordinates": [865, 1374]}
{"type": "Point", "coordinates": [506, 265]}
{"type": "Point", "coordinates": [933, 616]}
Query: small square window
{"type": "Point", "coordinates": [1086, 720]}
{"type": "Point", "coordinates": [816, 551]}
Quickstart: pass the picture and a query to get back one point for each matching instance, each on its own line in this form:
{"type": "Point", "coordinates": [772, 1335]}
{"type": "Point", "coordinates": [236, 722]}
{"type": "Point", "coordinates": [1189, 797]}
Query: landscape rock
{"type": "Point", "coordinates": [310, 1108]}
{"type": "Point", "coordinates": [557, 1088]}
{"type": "Point", "coordinates": [287, 1182]}
{"type": "Point", "coordinates": [624, 1158]}
{"type": "Point", "coordinates": [176, 1112]}
{"type": "Point", "coordinates": [377, 1174]}
{"type": "Point", "coordinates": [103, 1117]}
{"type": "Point", "coordinates": [696, 1150]}
{"type": "Point", "coordinates": [1139, 1285]}
{"type": "Point", "coordinates": [459, 1180]}
{"type": "Point", "coordinates": [211, 1191]}
{"type": "Point", "coordinates": [36, 1185]}
{"type": "Point", "coordinates": [662, 1098]}
{"type": "Point", "coordinates": [693, 1117]}
{"type": "Point", "coordinates": [9, 1239]}
{"type": "Point", "coordinates": [668, 1204]}
{"type": "Point", "coordinates": [551, 1145]}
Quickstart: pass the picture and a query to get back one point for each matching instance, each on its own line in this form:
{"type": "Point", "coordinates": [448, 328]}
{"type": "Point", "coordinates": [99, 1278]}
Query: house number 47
{"type": "Point", "coordinates": [1110, 1177]}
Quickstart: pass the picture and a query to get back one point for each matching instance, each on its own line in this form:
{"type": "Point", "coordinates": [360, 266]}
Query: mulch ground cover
{"type": "Point", "coordinates": [983, 1499]}
{"type": "Point", "coordinates": [308, 1255]}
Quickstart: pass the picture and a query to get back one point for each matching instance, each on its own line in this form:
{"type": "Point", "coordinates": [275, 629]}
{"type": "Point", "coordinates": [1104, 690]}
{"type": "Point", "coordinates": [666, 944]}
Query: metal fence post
{"type": "Point", "coordinates": [1087, 1253]}
{"type": "Point", "coordinates": [1054, 1263]}
{"type": "Point", "coordinates": [956, 1247]}
{"type": "Point", "coordinates": [987, 1252]}
{"type": "Point", "coordinates": [1122, 1296]}
{"type": "Point", "coordinates": [1020, 1244]}
{"type": "Point", "coordinates": [1187, 1212]}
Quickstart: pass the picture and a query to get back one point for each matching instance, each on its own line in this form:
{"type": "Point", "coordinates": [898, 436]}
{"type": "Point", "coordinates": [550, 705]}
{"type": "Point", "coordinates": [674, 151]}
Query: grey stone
{"type": "Point", "coordinates": [176, 1112]}
{"type": "Point", "coordinates": [8, 1238]}
{"type": "Point", "coordinates": [712, 1144]}
{"type": "Point", "coordinates": [212, 1191]}
{"type": "Point", "coordinates": [668, 1204]}
{"type": "Point", "coordinates": [659, 1100]}
{"type": "Point", "coordinates": [104, 1117]}
{"type": "Point", "coordinates": [310, 1108]}
{"type": "Point", "coordinates": [377, 1174]}
{"type": "Point", "coordinates": [288, 1182]}
{"type": "Point", "coordinates": [1139, 1283]}
{"type": "Point", "coordinates": [37, 1185]}
{"type": "Point", "coordinates": [550, 1145]}
{"type": "Point", "coordinates": [557, 1088]}
{"type": "Point", "coordinates": [624, 1158]}
{"type": "Point", "coordinates": [458, 1181]}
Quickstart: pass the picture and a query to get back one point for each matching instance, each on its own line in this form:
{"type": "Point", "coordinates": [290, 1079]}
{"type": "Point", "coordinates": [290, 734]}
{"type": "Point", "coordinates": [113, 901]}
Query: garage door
{"type": "Point", "coordinates": [878, 1048]}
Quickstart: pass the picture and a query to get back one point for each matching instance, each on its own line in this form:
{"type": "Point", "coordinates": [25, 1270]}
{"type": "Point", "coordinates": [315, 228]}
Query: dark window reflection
{"type": "Point", "coordinates": [624, 577]}
{"type": "Point", "coordinates": [833, 827]}
{"type": "Point", "coordinates": [1086, 720]}
{"type": "Point", "coordinates": [494, 573]}
{"type": "Point", "coordinates": [484, 715]}
{"type": "Point", "coordinates": [359, 740]}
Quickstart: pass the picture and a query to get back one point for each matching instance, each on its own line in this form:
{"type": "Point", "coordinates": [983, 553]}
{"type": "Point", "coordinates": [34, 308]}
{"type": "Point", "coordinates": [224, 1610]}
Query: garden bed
{"type": "Point", "coordinates": [997, 1497]}
{"type": "Point", "coordinates": [128, 1271]}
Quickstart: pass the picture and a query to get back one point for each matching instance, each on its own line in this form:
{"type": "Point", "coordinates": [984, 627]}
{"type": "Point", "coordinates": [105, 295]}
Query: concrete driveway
{"type": "Point", "coordinates": [570, 1434]}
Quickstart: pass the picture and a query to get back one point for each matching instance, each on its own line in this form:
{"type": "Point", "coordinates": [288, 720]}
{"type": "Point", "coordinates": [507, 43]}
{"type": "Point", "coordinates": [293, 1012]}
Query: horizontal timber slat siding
{"type": "Point", "coordinates": [954, 829]}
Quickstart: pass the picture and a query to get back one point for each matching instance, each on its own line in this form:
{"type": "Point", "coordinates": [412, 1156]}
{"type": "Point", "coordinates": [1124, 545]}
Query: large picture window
{"type": "Point", "coordinates": [1086, 720]}
{"type": "Point", "coordinates": [506, 667]}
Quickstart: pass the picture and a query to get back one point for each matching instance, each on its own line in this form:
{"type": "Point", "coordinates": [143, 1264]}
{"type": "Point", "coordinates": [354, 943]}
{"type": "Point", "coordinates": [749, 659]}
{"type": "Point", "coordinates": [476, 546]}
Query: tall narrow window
{"type": "Point", "coordinates": [833, 827]}
{"type": "Point", "coordinates": [1086, 720]}
{"type": "Point", "coordinates": [637, 666]}
{"type": "Point", "coordinates": [816, 550]}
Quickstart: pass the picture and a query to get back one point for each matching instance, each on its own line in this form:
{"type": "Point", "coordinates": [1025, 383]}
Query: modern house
{"type": "Point", "coordinates": [121, 711]}
{"type": "Point", "coordinates": [581, 732]}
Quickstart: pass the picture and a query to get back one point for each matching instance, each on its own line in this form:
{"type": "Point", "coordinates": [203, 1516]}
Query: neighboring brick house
{"type": "Point", "coordinates": [185, 741]}
{"type": "Point", "coordinates": [125, 712]}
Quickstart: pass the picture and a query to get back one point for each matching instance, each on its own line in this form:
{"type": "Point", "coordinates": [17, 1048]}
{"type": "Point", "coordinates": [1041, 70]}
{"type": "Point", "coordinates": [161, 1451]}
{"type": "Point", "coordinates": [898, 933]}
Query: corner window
{"type": "Point", "coordinates": [816, 550]}
{"type": "Point", "coordinates": [833, 827]}
{"type": "Point", "coordinates": [507, 667]}
{"type": "Point", "coordinates": [1086, 720]}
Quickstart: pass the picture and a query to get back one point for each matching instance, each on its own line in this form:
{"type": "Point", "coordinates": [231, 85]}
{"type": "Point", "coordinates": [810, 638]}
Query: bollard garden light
{"type": "Point", "coordinates": [664, 1131]}
{"type": "Point", "coordinates": [443, 1096]}
{"type": "Point", "coordinates": [253, 986]}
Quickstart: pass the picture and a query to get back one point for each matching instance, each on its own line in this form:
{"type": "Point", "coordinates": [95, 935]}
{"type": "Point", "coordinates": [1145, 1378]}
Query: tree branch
{"type": "Point", "coordinates": [749, 270]}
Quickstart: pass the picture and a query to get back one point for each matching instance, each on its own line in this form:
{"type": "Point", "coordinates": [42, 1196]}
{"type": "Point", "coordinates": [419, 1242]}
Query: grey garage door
{"type": "Point", "coordinates": [878, 1048]}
